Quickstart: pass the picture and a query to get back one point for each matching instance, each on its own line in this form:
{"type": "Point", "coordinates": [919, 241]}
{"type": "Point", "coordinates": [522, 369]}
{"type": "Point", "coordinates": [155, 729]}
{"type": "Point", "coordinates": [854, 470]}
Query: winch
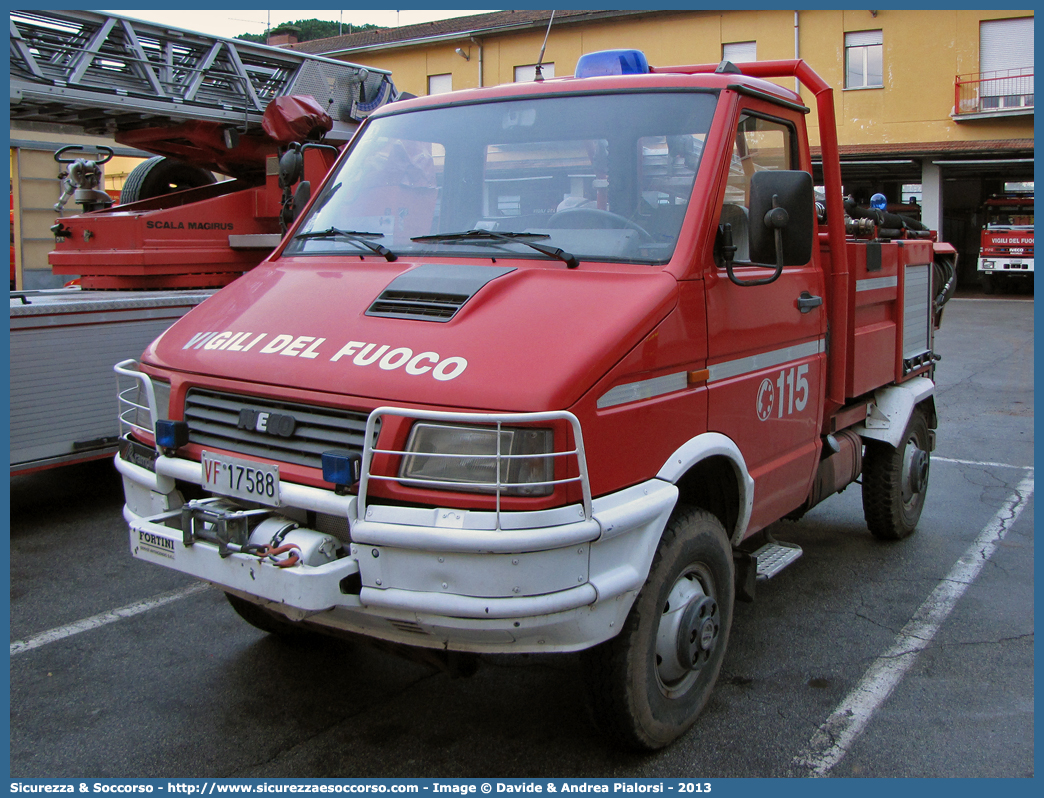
{"type": "Point", "coordinates": [260, 532]}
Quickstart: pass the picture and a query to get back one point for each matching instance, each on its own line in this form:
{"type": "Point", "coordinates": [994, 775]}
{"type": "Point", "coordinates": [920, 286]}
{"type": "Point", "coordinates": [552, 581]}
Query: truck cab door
{"type": "Point", "coordinates": [766, 343]}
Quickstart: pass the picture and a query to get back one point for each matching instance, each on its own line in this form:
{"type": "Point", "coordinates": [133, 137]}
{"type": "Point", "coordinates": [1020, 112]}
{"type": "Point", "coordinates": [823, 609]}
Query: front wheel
{"type": "Point", "coordinates": [648, 685]}
{"type": "Point", "coordinates": [895, 481]}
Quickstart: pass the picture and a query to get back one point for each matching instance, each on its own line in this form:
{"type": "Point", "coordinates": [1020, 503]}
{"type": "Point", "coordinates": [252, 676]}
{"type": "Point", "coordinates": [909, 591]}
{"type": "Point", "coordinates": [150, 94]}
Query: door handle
{"type": "Point", "coordinates": [806, 302]}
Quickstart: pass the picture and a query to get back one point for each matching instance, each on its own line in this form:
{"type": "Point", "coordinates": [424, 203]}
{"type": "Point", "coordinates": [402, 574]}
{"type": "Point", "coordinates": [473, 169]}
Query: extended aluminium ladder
{"type": "Point", "coordinates": [104, 73]}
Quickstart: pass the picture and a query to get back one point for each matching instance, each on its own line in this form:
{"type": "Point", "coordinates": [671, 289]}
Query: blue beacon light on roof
{"type": "Point", "coordinates": [612, 62]}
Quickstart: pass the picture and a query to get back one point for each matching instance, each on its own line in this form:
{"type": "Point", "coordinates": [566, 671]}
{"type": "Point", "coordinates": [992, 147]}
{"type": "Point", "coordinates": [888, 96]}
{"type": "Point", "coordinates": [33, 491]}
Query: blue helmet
{"type": "Point", "coordinates": [878, 201]}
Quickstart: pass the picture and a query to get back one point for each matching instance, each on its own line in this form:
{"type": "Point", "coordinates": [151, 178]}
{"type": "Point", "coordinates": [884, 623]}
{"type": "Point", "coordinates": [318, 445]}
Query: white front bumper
{"type": "Point", "coordinates": [544, 581]}
{"type": "Point", "coordinates": [1013, 265]}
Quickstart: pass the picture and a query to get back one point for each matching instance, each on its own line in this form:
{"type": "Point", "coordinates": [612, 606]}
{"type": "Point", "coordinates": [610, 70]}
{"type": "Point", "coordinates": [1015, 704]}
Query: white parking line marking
{"type": "Point", "coordinates": [62, 632]}
{"type": "Point", "coordinates": [835, 737]}
{"type": "Point", "coordinates": [978, 463]}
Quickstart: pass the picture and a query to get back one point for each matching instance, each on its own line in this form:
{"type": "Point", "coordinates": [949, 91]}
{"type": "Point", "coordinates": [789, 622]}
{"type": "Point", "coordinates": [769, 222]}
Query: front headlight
{"type": "Point", "coordinates": [447, 457]}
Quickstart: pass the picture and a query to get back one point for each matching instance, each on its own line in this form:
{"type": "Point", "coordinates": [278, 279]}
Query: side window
{"type": "Point", "coordinates": [760, 144]}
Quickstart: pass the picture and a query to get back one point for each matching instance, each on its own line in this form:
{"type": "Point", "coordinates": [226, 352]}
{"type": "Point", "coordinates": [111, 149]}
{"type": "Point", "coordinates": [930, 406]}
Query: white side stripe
{"type": "Point", "coordinates": [766, 360]}
{"type": "Point", "coordinates": [643, 389]}
{"type": "Point", "coordinates": [657, 386]}
{"type": "Point", "coordinates": [872, 283]}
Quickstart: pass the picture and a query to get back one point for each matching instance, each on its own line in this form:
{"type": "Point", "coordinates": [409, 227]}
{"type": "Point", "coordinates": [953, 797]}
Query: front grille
{"type": "Point", "coordinates": [213, 420]}
{"type": "Point", "coordinates": [417, 305]}
{"type": "Point", "coordinates": [336, 525]}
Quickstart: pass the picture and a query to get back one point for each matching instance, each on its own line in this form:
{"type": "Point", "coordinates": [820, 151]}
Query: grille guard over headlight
{"type": "Point", "coordinates": [493, 420]}
{"type": "Point", "coordinates": [132, 413]}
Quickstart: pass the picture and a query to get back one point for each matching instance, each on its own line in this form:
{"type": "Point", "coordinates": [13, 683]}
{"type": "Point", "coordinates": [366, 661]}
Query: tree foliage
{"type": "Point", "coordinates": [309, 29]}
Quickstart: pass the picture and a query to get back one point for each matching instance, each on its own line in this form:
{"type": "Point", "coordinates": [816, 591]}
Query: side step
{"type": "Point", "coordinates": [774, 557]}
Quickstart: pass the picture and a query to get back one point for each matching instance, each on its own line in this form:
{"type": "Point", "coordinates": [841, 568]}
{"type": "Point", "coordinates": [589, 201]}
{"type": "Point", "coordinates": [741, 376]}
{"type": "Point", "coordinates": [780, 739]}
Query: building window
{"type": "Point", "coordinates": [1005, 64]}
{"type": "Point", "coordinates": [528, 72]}
{"type": "Point", "coordinates": [440, 84]}
{"type": "Point", "coordinates": [912, 193]}
{"type": "Point", "coordinates": [739, 52]}
{"type": "Point", "coordinates": [864, 60]}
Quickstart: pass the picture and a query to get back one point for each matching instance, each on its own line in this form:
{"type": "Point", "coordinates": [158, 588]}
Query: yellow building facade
{"type": "Point", "coordinates": [923, 52]}
{"type": "Point", "coordinates": [924, 115]}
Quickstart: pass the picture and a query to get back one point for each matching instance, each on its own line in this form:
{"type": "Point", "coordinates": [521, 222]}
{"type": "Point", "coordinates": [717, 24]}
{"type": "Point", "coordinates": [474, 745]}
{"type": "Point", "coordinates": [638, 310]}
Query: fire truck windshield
{"type": "Point", "coordinates": [1010, 215]}
{"type": "Point", "coordinates": [599, 177]}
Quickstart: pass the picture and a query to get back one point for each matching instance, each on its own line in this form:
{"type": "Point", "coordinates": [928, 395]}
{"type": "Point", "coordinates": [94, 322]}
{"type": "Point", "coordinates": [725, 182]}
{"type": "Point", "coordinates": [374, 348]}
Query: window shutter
{"type": "Point", "coordinates": [527, 73]}
{"type": "Point", "coordinates": [1005, 44]}
{"type": "Point", "coordinates": [440, 84]}
{"type": "Point", "coordinates": [1006, 51]}
{"type": "Point", "coordinates": [739, 52]}
{"type": "Point", "coordinates": [863, 38]}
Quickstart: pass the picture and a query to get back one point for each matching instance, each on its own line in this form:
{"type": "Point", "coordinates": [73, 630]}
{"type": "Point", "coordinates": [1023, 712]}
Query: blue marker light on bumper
{"type": "Point", "coordinates": [171, 434]}
{"type": "Point", "coordinates": [342, 468]}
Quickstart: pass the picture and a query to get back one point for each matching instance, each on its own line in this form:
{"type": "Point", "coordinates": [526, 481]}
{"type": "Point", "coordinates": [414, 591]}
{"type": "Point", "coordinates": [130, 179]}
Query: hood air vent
{"type": "Point", "coordinates": [433, 292]}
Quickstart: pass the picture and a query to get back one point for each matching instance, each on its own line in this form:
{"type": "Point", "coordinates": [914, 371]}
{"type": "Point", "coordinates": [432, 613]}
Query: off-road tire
{"type": "Point", "coordinates": [628, 698]}
{"type": "Point", "coordinates": [891, 505]}
{"type": "Point", "coordinates": [266, 620]}
{"type": "Point", "coordinates": [159, 176]}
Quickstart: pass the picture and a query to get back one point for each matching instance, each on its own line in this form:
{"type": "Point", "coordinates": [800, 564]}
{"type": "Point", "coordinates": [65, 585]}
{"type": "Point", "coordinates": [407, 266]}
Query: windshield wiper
{"type": "Point", "coordinates": [355, 237]}
{"type": "Point", "coordinates": [514, 238]}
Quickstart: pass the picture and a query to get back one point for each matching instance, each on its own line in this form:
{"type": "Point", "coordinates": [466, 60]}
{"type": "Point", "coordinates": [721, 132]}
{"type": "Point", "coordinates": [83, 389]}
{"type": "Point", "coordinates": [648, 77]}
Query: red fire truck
{"type": "Point", "coordinates": [535, 371]}
{"type": "Point", "coordinates": [1006, 252]}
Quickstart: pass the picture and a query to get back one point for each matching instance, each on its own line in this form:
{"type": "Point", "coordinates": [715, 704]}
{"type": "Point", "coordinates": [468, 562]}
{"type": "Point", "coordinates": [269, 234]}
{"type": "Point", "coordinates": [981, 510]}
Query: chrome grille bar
{"type": "Point", "coordinates": [213, 420]}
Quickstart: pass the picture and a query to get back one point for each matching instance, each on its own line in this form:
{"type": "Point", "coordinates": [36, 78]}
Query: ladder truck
{"type": "Point", "coordinates": [269, 120]}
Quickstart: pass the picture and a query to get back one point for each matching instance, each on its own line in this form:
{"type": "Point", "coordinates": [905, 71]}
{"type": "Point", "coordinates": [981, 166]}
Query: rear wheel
{"type": "Point", "coordinates": [158, 176]}
{"type": "Point", "coordinates": [895, 481]}
{"type": "Point", "coordinates": [648, 685]}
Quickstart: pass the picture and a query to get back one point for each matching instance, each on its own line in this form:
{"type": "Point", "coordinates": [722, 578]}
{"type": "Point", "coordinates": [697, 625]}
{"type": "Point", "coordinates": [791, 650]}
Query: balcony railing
{"type": "Point", "coordinates": [1002, 92]}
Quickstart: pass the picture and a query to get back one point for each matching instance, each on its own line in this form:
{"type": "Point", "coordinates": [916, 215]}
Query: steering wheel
{"type": "Point", "coordinates": [596, 218]}
{"type": "Point", "coordinates": [106, 154]}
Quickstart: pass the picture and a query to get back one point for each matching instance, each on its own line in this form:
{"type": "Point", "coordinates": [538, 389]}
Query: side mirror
{"type": "Point", "coordinates": [291, 167]}
{"type": "Point", "coordinates": [782, 223]}
{"type": "Point", "coordinates": [794, 194]}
